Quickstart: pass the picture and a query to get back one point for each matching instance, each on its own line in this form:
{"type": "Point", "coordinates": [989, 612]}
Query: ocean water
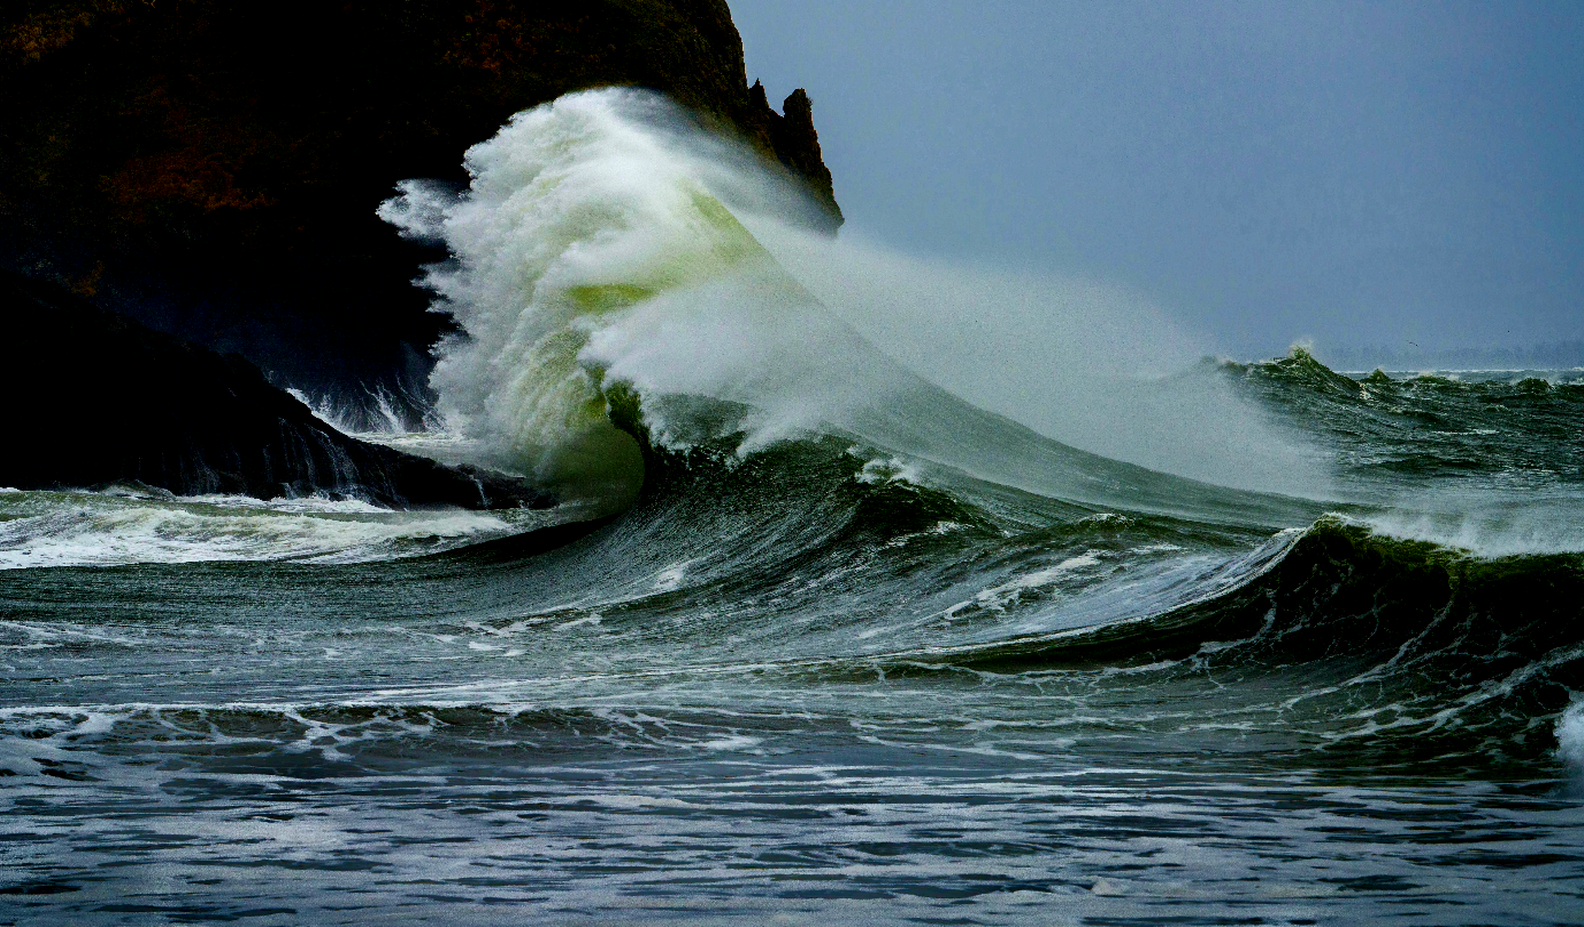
{"type": "Point", "coordinates": [845, 618]}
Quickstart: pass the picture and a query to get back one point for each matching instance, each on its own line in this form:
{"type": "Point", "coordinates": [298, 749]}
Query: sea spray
{"type": "Point", "coordinates": [1091, 364]}
{"type": "Point", "coordinates": [1570, 738]}
{"type": "Point", "coordinates": [605, 237]}
{"type": "Point", "coordinates": [1486, 524]}
{"type": "Point", "coordinates": [577, 212]}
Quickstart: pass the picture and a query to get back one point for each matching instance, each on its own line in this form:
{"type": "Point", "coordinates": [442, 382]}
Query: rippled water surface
{"type": "Point", "coordinates": [817, 641]}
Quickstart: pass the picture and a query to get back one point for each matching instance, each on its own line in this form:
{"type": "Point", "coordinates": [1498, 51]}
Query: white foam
{"type": "Point", "coordinates": [1570, 736]}
{"type": "Point", "coordinates": [670, 578]}
{"type": "Point", "coordinates": [888, 470]}
{"type": "Point", "coordinates": [1488, 526]}
{"type": "Point", "coordinates": [39, 529]}
{"type": "Point", "coordinates": [577, 210]}
{"type": "Point", "coordinates": [1000, 596]}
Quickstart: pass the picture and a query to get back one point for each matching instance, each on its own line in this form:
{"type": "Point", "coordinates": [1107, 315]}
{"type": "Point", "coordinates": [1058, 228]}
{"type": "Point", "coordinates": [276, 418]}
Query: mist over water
{"type": "Point", "coordinates": [1487, 523]}
{"type": "Point", "coordinates": [1092, 365]}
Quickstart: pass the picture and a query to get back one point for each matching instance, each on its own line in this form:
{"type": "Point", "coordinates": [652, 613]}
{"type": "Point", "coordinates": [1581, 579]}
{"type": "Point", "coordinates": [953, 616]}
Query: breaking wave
{"type": "Point", "coordinates": [794, 464]}
{"type": "Point", "coordinates": [606, 241]}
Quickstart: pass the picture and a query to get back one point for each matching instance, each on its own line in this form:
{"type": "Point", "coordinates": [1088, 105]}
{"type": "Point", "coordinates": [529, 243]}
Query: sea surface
{"type": "Point", "coordinates": [812, 639]}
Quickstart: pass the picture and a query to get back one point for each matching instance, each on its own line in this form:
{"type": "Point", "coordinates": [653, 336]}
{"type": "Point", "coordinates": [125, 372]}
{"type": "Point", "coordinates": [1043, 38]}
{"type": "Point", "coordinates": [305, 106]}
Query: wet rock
{"type": "Point", "coordinates": [212, 168]}
{"type": "Point", "coordinates": [95, 399]}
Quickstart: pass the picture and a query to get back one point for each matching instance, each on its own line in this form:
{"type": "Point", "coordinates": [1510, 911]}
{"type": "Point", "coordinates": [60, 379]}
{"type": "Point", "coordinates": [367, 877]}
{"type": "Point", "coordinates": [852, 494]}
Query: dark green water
{"type": "Point", "coordinates": [829, 682]}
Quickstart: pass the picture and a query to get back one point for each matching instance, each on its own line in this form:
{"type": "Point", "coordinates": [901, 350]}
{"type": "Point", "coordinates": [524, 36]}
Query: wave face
{"type": "Point", "coordinates": [824, 631]}
{"type": "Point", "coordinates": [580, 213]}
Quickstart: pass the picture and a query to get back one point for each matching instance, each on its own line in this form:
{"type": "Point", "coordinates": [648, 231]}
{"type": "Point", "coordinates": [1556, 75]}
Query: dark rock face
{"type": "Point", "coordinates": [211, 167]}
{"type": "Point", "coordinates": [795, 142]}
{"type": "Point", "coordinates": [96, 399]}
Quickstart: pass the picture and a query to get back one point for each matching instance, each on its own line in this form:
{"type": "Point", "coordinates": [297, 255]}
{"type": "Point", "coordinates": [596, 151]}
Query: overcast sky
{"type": "Point", "coordinates": [1353, 173]}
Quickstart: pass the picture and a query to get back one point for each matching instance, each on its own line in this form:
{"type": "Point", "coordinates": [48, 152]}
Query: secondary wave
{"type": "Point", "coordinates": [125, 525]}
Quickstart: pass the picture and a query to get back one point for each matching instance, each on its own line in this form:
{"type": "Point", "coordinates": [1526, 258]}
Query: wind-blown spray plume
{"type": "Point", "coordinates": [606, 238]}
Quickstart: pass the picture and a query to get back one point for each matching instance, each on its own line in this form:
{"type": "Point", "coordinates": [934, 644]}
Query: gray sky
{"type": "Point", "coordinates": [1354, 173]}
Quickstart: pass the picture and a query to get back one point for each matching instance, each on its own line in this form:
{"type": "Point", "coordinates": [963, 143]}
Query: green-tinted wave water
{"type": "Point", "coordinates": [824, 678]}
{"type": "Point", "coordinates": [898, 660]}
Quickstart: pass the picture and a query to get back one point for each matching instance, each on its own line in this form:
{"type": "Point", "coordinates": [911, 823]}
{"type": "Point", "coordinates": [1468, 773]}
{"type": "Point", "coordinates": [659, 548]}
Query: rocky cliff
{"type": "Point", "coordinates": [211, 167]}
{"type": "Point", "coordinates": [96, 399]}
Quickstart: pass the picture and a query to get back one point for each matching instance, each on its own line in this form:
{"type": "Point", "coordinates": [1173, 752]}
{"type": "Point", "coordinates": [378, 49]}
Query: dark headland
{"type": "Point", "coordinates": [187, 194]}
